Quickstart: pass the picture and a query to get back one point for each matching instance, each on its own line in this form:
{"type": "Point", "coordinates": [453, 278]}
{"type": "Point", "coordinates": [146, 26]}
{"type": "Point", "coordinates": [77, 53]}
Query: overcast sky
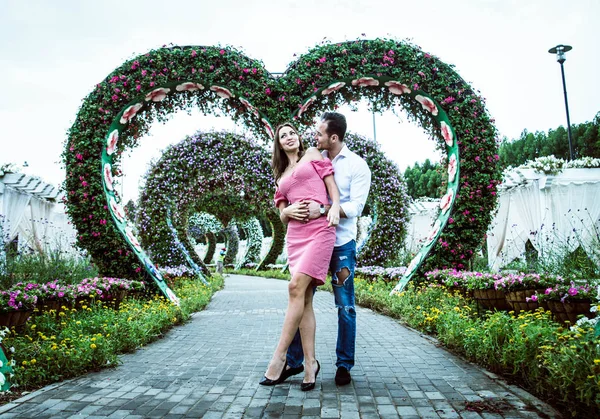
{"type": "Point", "coordinates": [53, 52]}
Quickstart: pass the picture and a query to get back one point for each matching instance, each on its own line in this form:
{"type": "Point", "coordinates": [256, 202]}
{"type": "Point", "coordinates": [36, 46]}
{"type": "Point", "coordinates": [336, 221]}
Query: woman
{"type": "Point", "coordinates": [302, 175]}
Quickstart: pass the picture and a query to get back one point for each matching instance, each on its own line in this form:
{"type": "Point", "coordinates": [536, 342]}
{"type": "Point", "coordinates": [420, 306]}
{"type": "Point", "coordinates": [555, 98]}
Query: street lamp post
{"type": "Point", "coordinates": [560, 50]}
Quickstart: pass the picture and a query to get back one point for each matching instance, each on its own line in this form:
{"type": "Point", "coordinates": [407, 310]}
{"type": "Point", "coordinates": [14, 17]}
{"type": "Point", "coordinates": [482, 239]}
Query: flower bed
{"type": "Point", "coordinates": [560, 365]}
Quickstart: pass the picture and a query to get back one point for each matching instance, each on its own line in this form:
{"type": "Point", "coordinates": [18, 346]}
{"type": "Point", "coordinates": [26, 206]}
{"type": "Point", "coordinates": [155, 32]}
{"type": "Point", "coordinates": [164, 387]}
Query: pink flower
{"type": "Point", "coordinates": [130, 112]}
{"type": "Point", "coordinates": [306, 104]}
{"type": "Point", "coordinates": [108, 180]}
{"type": "Point", "coordinates": [111, 142]}
{"type": "Point", "coordinates": [221, 92]}
{"type": "Point", "coordinates": [397, 88]}
{"type": "Point", "coordinates": [333, 88]}
{"type": "Point", "coordinates": [427, 104]}
{"type": "Point", "coordinates": [117, 210]}
{"type": "Point", "coordinates": [446, 201]}
{"type": "Point", "coordinates": [446, 133]}
{"type": "Point", "coordinates": [365, 82]}
{"type": "Point", "coordinates": [451, 168]}
{"type": "Point", "coordinates": [189, 87]}
{"type": "Point", "coordinates": [157, 95]}
{"type": "Point", "coordinates": [532, 298]}
{"type": "Point", "coordinates": [572, 291]}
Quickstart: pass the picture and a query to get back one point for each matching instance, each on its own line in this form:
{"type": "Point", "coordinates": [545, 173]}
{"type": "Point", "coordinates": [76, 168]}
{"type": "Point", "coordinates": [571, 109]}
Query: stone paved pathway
{"type": "Point", "coordinates": [210, 368]}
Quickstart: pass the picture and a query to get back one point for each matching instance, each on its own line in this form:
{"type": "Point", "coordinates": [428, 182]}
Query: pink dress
{"type": "Point", "coordinates": [309, 245]}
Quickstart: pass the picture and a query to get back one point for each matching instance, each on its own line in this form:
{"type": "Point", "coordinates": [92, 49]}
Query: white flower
{"type": "Point", "coordinates": [157, 95]}
{"type": "Point", "coordinates": [130, 112]}
{"type": "Point", "coordinates": [427, 104]}
{"type": "Point", "coordinates": [365, 82]}
{"type": "Point", "coordinates": [333, 87]}
{"type": "Point", "coordinates": [222, 92]}
{"type": "Point", "coordinates": [2, 379]}
{"type": "Point", "coordinates": [397, 88]}
{"type": "Point", "coordinates": [111, 142]}
{"type": "Point", "coordinates": [189, 87]}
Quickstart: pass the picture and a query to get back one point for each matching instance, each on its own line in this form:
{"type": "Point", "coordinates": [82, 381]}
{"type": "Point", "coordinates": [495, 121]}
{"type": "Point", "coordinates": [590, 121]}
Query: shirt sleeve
{"type": "Point", "coordinates": [359, 191]}
{"type": "Point", "coordinates": [323, 167]}
{"type": "Point", "coordinates": [279, 197]}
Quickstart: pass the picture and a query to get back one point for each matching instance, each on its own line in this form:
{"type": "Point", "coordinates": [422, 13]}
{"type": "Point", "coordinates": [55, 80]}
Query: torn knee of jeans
{"type": "Point", "coordinates": [341, 275]}
{"type": "Point", "coordinates": [347, 309]}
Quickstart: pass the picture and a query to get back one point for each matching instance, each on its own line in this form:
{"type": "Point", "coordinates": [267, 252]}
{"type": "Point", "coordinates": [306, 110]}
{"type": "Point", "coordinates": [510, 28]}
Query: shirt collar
{"type": "Point", "coordinates": [344, 152]}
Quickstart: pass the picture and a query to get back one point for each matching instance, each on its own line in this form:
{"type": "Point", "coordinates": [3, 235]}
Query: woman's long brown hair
{"type": "Point", "coordinates": [279, 160]}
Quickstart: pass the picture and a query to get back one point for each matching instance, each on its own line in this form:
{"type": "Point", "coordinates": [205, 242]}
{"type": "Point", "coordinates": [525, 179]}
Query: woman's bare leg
{"type": "Point", "coordinates": [308, 326]}
{"type": "Point", "coordinates": [297, 288]}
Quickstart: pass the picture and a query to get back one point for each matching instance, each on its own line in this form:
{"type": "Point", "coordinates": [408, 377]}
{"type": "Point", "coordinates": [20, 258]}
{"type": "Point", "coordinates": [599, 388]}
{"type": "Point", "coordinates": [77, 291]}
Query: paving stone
{"type": "Point", "coordinates": [210, 368]}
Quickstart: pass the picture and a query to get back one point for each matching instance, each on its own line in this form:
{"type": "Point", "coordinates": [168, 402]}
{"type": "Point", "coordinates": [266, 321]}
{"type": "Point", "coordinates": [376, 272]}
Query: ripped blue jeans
{"type": "Point", "coordinates": [343, 290]}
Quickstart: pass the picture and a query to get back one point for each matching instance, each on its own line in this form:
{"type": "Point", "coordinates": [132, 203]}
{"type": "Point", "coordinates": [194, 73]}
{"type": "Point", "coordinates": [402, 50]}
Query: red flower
{"type": "Point", "coordinates": [221, 92]}
{"type": "Point", "coordinates": [189, 87]}
{"type": "Point", "coordinates": [130, 112]}
{"type": "Point", "coordinates": [397, 88]}
{"type": "Point", "coordinates": [365, 82]}
{"type": "Point", "coordinates": [427, 104]}
{"type": "Point", "coordinates": [157, 95]}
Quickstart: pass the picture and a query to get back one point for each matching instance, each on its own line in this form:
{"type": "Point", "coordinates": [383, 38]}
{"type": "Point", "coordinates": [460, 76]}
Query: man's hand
{"type": "Point", "coordinates": [314, 209]}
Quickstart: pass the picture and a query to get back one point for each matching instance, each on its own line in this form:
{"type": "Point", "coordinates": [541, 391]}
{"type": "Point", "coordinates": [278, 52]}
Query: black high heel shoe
{"type": "Point", "coordinates": [310, 386]}
{"type": "Point", "coordinates": [268, 382]}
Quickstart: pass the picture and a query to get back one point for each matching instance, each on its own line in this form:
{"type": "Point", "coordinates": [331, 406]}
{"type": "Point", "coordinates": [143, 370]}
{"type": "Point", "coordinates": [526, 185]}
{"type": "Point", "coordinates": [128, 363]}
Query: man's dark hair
{"type": "Point", "coordinates": [336, 124]}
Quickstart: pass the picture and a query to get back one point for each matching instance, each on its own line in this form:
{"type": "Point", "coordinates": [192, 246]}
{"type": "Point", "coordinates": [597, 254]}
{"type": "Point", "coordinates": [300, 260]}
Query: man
{"type": "Point", "coordinates": [353, 179]}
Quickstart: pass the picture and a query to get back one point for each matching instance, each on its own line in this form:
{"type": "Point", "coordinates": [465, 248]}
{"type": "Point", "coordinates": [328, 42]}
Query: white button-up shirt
{"type": "Point", "coordinates": [353, 179]}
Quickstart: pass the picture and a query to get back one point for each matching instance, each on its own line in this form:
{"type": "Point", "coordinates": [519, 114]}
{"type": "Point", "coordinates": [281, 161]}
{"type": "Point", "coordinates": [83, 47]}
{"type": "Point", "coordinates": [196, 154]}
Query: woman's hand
{"type": "Point", "coordinates": [297, 211]}
{"type": "Point", "coordinates": [333, 216]}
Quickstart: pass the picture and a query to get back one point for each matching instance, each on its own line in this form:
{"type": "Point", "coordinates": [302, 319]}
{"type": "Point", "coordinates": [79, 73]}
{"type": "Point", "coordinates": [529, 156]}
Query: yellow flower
{"type": "Point", "coordinates": [33, 361]}
{"type": "Point", "coordinates": [596, 361]}
{"type": "Point", "coordinates": [77, 322]}
{"type": "Point", "coordinates": [24, 363]}
{"type": "Point", "coordinates": [33, 326]}
{"type": "Point", "coordinates": [93, 346]}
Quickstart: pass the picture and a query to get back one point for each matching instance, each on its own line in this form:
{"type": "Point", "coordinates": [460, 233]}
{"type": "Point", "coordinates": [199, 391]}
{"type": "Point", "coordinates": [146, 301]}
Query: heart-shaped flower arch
{"type": "Point", "coordinates": [384, 72]}
{"type": "Point", "coordinates": [220, 173]}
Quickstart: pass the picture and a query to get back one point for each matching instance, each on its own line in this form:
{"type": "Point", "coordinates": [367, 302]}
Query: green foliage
{"type": "Point", "coordinates": [41, 268]}
{"type": "Point", "coordinates": [555, 363]}
{"type": "Point", "coordinates": [271, 273]}
{"type": "Point", "coordinates": [529, 146]}
{"type": "Point", "coordinates": [425, 180]}
{"type": "Point", "coordinates": [222, 174]}
{"type": "Point", "coordinates": [53, 348]}
{"type": "Point", "coordinates": [279, 230]}
{"type": "Point", "coordinates": [166, 80]}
